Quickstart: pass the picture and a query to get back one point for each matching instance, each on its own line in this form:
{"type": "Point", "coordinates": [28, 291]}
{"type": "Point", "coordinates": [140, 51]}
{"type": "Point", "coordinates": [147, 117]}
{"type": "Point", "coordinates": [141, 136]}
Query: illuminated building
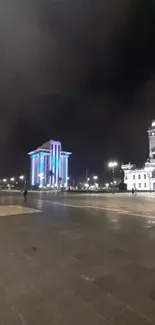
{"type": "Point", "coordinates": [49, 165]}
{"type": "Point", "coordinates": [142, 179]}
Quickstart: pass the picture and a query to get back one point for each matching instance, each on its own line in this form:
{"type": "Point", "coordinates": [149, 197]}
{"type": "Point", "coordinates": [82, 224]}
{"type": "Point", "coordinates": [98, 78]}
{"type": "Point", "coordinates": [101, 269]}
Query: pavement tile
{"type": "Point", "coordinates": [27, 303]}
{"type": "Point", "coordinates": [44, 314]}
{"type": "Point", "coordinates": [83, 317]}
{"type": "Point", "coordinates": [85, 289]}
{"type": "Point", "coordinates": [128, 317]}
{"type": "Point", "coordinates": [107, 306]}
{"type": "Point", "coordinates": [8, 315]}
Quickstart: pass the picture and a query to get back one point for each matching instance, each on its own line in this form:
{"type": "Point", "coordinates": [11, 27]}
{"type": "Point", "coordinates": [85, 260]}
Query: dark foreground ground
{"type": "Point", "coordinates": [77, 259]}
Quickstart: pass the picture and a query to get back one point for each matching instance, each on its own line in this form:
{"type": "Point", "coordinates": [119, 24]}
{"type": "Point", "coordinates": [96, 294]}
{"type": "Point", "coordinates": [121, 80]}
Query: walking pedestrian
{"type": "Point", "coordinates": [25, 195]}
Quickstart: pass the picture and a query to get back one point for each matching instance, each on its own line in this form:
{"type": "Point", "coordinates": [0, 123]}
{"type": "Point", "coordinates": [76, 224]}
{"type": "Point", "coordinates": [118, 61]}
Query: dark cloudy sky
{"type": "Point", "coordinates": [79, 71]}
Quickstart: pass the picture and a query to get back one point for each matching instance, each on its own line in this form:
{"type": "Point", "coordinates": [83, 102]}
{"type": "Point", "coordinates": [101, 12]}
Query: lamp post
{"type": "Point", "coordinates": [23, 178]}
{"type": "Point", "coordinates": [4, 181]}
{"type": "Point", "coordinates": [95, 178]}
{"type": "Point", "coordinates": [112, 165]}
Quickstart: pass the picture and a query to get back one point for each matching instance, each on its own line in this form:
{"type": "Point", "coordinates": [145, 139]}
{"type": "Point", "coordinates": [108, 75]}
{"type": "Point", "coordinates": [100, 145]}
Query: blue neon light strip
{"type": "Point", "coordinates": [53, 164]}
{"type": "Point", "coordinates": [57, 164]}
{"type": "Point", "coordinates": [41, 169]}
{"type": "Point", "coordinates": [67, 170]}
{"type": "Point", "coordinates": [33, 171]}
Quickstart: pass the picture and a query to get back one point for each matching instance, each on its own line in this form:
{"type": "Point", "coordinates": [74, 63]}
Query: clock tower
{"type": "Point", "coordinates": [151, 133]}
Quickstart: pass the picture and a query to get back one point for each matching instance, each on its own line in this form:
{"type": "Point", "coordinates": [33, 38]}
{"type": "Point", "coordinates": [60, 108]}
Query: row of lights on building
{"type": "Point", "coordinates": [41, 175]}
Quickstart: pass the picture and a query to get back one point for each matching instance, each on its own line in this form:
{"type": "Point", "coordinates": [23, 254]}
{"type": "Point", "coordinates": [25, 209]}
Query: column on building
{"type": "Point", "coordinates": [33, 183]}
{"type": "Point", "coordinates": [41, 169]}
{"type": "Point", "coordinates": [64, 169]}
{"type": "Point", "coordinates": [55, 161]}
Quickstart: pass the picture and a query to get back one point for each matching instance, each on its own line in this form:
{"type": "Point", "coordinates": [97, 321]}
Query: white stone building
{"type": "Point", "coordinates": [142, 179]}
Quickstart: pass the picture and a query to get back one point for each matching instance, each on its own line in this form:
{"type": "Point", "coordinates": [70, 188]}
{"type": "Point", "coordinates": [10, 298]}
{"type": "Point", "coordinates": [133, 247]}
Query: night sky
{"type": "Point", "coordinates": [82, 72]}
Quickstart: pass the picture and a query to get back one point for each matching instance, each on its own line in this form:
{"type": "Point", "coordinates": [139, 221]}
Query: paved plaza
{"type": "Point", "coordinates": [69, 259]}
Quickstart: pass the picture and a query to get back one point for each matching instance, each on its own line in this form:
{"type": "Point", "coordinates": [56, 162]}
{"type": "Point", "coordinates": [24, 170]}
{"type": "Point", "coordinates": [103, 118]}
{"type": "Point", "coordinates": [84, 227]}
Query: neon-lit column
{"type": "Point", "coordinates": [37, 169]}
{"type": "Point", "coordinates": [57, 164]}
{"type": "Point", "coordinates": [33, 170]}
{"type": "Point", "coordinates": [53, 165]}
{"type": "Point", "coordinates": [66, 158]}
{"type": "Point", "coordinates": [50, 165]}
{"type": "Point", "coordinates": [41, 178]}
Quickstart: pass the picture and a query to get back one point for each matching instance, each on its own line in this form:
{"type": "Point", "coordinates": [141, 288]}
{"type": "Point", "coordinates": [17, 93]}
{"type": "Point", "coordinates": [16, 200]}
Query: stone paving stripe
{"type": "Point", "coordinates": [8, 210]}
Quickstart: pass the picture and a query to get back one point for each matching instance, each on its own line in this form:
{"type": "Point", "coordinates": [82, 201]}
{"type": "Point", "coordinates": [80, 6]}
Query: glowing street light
{"type": "Point", "coordinates": [95, 177]}
{"type": "Point", "coordinates": [21, 177]}
{"type": "Point", "coordinates": [112, 165]}
{"type": "Point", "coordinates": [4, 180]}
{"type": "Point", "coordinates": [12, 179]}
{"type": "Point", "coordinates": [88, 179]}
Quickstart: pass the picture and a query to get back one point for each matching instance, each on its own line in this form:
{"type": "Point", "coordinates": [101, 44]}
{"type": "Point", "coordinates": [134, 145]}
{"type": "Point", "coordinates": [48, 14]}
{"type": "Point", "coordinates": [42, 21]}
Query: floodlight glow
{"type": "Point", "coordinates": [12, 179]}
{"type": "Point", "coordinates": [95, 177]}
{"type": "Point", "coordinates": [86, 185]}
{"type": "Point", "coordinates": [4, 180]}
{"type": "Point", "coordinates": [88, 179]}
{"type": "Point", "coordinates": [21, 177]}
{"type": "Point", "coordinates": [107, 184]}
{"type": "Point", "coordinates": [112, 164]}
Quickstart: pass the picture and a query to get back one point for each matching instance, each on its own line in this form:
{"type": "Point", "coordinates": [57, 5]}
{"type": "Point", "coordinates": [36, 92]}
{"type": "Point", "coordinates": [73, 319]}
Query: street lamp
{"type": "Point", "coordinates": [95, 177]}
{"type": "Point", "coordinates": [4, 180]}
{"type": "Point", "coordinates": [12, 179]}
{"type": "Point", "coordinates": [23, 178]}
{"type": "Point", "coordinates": [112, 165]}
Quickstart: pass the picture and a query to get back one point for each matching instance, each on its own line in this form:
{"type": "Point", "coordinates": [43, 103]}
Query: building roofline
{"type": "Point", "coordinates": [64, 153]}
{"type": "Point", "coordinates": [34, 152]}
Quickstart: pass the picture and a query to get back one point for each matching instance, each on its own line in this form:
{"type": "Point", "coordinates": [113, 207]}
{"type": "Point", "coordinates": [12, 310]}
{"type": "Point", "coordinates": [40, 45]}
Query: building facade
{"type": "Point", "coordinates": [49, 165]}
{"type": "Point", "coordinates": [142, 179]}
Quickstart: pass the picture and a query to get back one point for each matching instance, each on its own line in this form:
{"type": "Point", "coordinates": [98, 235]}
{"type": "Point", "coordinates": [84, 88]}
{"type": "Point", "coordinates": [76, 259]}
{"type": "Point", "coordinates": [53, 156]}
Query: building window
{"type": "Point", "coordinates": [139, 185]}
{"type": "Point", "coordinates": [139, 177]}
{"type": "Point", "coordinates": [126, 177]}
{"type": "Point", "coordinates": [144, 185]}
{"type": "Point", "coordinates": [144, 176]}
{"type": "Point", "coordinates": [133, 176]}
{"type": "Point", "coordinates": [134, 185]}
